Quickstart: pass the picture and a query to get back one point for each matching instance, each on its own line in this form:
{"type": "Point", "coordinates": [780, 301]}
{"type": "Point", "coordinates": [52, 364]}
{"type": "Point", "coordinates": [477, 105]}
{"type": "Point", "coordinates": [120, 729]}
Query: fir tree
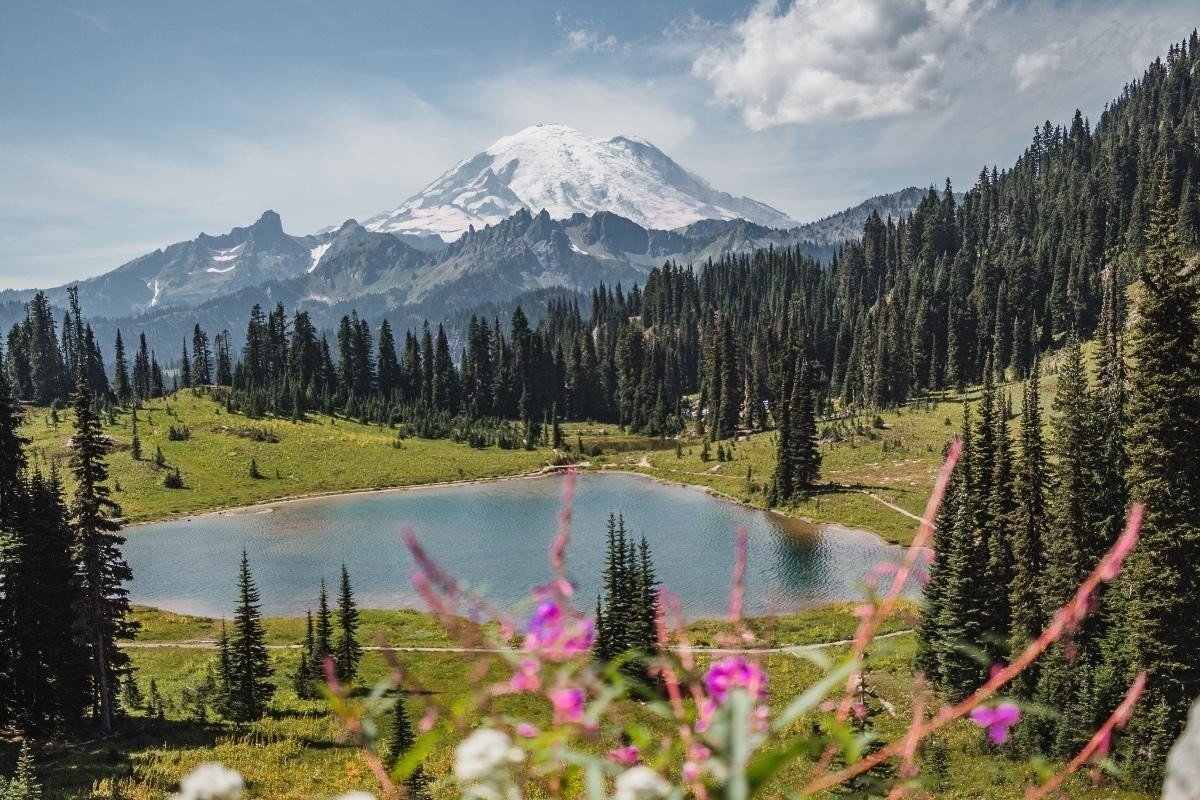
{"type": "Point", "coordinates": [131, 693]}
{"type": "Point", "coordinates": [102, 571]}
{"type": "Point", "coordinates": [400, 742]}
{"type": "Point", "coordinates": [121, 385]}
{"type": "Point", "coordinates": [248, 691]}
{"type": "Point", "coordinates": [1160, 600]}
{"type": "Point", "coordinates": [323, 643]}
{"type": "Point", "coordinates": [347, 652]}
{"type": "Point", "coordinates": [1073, 544]}
{"type": "Point", "coordinates": [24, 784]}
{"type": "Point", "coordinates": [1028, 530]}
{"type": "Point", "coordinates": [306, 668]}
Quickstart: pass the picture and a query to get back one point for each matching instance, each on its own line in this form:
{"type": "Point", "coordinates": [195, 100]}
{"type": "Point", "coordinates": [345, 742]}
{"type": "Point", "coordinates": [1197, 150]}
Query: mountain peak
{"type": "Point", "coordinates": [270, 221]}
{"type": "Point", "coordinates": [555, 167]}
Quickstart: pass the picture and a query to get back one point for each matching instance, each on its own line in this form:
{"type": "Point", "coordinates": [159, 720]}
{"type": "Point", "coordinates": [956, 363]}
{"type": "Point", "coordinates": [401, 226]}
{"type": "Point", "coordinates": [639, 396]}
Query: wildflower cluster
{"type": "Point", "coordinates": [693, 723]}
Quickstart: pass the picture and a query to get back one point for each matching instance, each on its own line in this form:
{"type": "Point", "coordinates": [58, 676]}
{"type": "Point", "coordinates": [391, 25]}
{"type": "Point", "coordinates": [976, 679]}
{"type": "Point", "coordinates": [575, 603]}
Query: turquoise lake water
{"type": "Point", "coordinates": [494, 537]}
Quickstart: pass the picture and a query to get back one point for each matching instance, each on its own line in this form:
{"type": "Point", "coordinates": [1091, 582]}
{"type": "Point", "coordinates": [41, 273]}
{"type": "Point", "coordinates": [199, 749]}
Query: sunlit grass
{"type": "Point", "coordinates": [318, 456]}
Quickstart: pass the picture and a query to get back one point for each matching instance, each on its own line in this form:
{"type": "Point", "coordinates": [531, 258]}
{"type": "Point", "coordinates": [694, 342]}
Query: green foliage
{"type": "Point", "coordinates": [245, 687]}
{"type": "Point", "coordinates": [23, 785]}
{"type": "Point", "coordinates": [347, 652]}
{"type": "Point", "coordinates": [173, 479]}
{"type": "Point", "coordinates": [626, 613]}
{"type": "Point", "coordinates": [400, 743]}
{"type": "Point", "coordinates": [1158, 613]}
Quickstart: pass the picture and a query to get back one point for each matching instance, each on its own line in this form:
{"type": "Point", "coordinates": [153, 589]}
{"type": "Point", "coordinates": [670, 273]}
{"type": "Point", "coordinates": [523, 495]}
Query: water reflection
{"type": "Point", "coordinates": [494, 536]}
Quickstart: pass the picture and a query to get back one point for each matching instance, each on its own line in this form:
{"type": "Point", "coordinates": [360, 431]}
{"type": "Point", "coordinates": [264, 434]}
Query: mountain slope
{"type": "Point", "coordinates": [557, 168]}
{"type": "Point", "coordinates": [847, 225]}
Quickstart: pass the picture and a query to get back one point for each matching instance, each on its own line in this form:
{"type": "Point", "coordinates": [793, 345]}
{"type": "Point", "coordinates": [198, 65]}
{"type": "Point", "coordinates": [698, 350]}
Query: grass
{"type": "Point", "coordinates": [865, 466]}
{"type": "Point", "coordinates": [318, 456]}
{"type": "Point", "coordinates": [295, 751]}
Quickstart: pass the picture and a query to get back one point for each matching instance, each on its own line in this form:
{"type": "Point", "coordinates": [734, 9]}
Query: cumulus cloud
{"type": "Point", "coordinates": [1032, 69]}
{"type": "Point", "coordinates": [823, 60]}
{"type": "Point", "coordinates": [92, 202]}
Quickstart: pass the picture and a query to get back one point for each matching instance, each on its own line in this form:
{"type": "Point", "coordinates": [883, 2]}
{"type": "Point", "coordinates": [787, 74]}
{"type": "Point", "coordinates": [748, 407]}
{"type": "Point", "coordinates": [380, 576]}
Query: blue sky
{"type": "Point", "coordinates": [127, 126]}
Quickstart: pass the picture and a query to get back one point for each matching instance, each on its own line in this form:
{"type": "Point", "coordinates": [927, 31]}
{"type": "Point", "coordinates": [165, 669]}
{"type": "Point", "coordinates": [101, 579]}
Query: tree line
{"type": "Point", "coordinates": [60, 666]}
{"type": "Point", "coordinates": [1026, 519]}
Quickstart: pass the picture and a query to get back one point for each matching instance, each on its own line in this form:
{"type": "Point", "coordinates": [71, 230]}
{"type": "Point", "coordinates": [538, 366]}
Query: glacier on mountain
{"type": "Point", "coordinates": [557, 168]}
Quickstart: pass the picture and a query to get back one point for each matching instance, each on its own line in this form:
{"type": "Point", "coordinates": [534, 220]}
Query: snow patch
{"type": "Point", "coordinates": [223, 270]}
{"type": "Point", "coordinates": [157, 290]}
{"type": "Point", "coordinates": [557, 168]}
{"type": "Point", "coordinates": [227, 255]}
{"type": "Point", "coordinates": [577, 250]}
{"type": "Point", "coordinates": [317, 253]}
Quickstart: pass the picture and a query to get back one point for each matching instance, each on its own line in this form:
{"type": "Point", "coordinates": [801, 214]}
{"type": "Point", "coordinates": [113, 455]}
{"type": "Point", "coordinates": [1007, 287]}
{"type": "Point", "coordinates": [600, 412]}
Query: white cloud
{"type": "Point", "coordinates": [584, 36]}
{"type": "Point", "coordinates": [1033, 69]}
{"type": "Point", "coordinates": [835, 59]}
{"type": "Point", "coordinates": [93, 203]}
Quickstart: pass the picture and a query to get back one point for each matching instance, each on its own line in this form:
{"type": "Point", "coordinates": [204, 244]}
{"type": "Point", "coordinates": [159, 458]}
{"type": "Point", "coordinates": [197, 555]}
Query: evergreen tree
{"type": "Point", "coordinates": [121, 385]}
{"type": "Point", "coordinates": [400, 742]}
{"type": "Point", "coordinates": [306, 669]}
{"type": "Point", "coordinates": [185, 367]}
{"type": "Point", "coordinates": [248, 691]}
{"type": "Point", "coordinates": [1160, 587]}
{"type": "Point", "coordinates": [1027, 533]}
{"type": "Point", "coordinates": [24, 784]}
{"type": "Point", "coordinates": [323, 646]}
{"type": "Point", "coordinates": [347, 652]}
{"type": "Point", "coordinates": [131, 693]}
{"type": "Point", "coordinates": [103, 606]}
{"type": "Point", "coordinates": [1073, 544]}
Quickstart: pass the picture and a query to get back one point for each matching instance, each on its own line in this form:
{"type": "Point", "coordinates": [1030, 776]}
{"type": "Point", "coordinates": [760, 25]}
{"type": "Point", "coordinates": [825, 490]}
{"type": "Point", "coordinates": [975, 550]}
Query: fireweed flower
{"type": "Point", "coordinates": [554, 634]}
{"type": "Point", "coordinates": [527, 678]}
{"type": "Point", "coordinates": [626, 756]}
{"type": "Point", "coordinates": [527, 731]}
{"type": "Point", "coordinates": [997, 720]}
{"type": "Point", "coordinates": [697, 759]}
{"type": "Point", "coordinates": [568, 704]}
{"type": "Point", "coordinates": [732, 673]}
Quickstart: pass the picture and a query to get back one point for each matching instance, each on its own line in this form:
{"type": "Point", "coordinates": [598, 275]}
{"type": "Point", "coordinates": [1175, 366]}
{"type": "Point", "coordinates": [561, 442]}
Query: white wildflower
{"type": "Point", "coordinates": [357, 796]}
{"type": "Point", "coordinates": [211, 781]}
{"type": "Point", "coordinates": [482, 753]}
{"type": "Point", "coordinates": [641, 783]}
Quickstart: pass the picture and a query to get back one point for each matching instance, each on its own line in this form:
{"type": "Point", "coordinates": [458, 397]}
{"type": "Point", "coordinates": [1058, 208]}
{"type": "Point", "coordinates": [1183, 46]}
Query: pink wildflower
{"type": "Point", "coordinates": [735, 672]}
{"type": "Point", "coordinates": [568, 704]}
{"type": "Point", "coordinates": [625, 756]}
{"type": "Point", "coordinates": [706, 708]}
{"type": "Point", "coordinates": [527, 731]}
{"type": "Point", "coordinates": [997, 720]}
{"type": "Point", "coordinates": [697, 759]}
{"type": "Point", "coordinates": [527, 677]}
{"type": "Point", "coordinates": [556, 636]}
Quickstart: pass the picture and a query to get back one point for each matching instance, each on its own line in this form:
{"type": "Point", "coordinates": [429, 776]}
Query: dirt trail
{"type": "Point", "coordinates": [210, 644]}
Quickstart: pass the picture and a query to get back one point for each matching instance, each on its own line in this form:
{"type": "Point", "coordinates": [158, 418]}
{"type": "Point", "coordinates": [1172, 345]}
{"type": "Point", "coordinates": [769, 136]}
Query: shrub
{"type": "Point", "coordinates": [173, 480]}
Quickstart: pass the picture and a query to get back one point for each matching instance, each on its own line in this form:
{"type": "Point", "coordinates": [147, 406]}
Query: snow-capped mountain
{"type": "Point", "coordinates": [557, 168]}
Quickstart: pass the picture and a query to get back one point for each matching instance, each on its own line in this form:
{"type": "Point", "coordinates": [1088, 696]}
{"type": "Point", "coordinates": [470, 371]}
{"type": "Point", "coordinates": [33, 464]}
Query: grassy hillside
{"type": "Point", "coordinates": [871, 462]}
{"type": "Point", "coordinates": [321, 455]}
{"type": "Point", "coordinates": [295, 752]}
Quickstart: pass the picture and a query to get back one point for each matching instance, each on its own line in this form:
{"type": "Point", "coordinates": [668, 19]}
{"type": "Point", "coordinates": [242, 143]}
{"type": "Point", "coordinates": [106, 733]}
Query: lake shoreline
{"type": "Point", "coordinates": [543, 472]}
